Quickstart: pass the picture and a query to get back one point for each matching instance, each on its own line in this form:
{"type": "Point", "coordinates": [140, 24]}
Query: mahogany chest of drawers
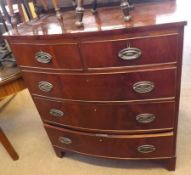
{"type": "Point", "coordinates": [110, 89]}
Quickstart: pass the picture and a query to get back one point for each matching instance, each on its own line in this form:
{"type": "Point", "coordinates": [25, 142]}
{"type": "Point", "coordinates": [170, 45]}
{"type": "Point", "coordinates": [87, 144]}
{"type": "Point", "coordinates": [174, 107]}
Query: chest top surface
{"type": "Point", "coordinates": [145, 15]}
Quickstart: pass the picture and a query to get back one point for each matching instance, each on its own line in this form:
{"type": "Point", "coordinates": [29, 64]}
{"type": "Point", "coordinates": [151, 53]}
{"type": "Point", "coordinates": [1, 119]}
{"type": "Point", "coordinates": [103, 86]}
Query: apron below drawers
{"type": "Point", "coordinates": [113, 146]}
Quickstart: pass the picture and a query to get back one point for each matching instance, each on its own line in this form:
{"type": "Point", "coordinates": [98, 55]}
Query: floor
{"type": "Point", "coordinates": [28, 136]}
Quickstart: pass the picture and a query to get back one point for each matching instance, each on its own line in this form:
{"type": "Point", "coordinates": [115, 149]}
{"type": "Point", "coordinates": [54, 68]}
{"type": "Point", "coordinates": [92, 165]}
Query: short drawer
{"type": "Point", "coordinates": [128, 52]}
{"type": "Point", "coordinates": [104, 87]}
{"type": "Point", "coordinates": [61, 56]}
{"type": "Point", "coordinates": [108, 117]}
{"type": "Point", "coordinates": [113, 146]}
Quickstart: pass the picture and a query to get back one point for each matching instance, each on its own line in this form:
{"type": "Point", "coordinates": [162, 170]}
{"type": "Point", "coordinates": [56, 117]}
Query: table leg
{"type": "Point", "coordinates": [5, 142]}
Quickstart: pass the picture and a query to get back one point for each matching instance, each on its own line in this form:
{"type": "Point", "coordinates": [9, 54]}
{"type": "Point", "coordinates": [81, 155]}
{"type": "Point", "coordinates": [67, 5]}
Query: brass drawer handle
{"type": "Point", "coordinates": [130, 53]}
{"type": "Point", "coordinates": [56, 112]}
{"type": "Point", "coordinates": [43, 57]}
{"type": "Point", "coordinates": [145, 149]}
{"type": "Point", "coordinates": [143, 87]}
{"type": "Point", "coordinates": [145, 118]}
{"type": "Point", "coordinates": [45, 86]}
{"type": "Point", "coordinates": [65, 140]}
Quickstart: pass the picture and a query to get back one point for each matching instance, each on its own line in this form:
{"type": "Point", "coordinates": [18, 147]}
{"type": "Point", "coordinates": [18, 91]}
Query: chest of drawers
{"type": "Point", "coordinates": [110, 89]}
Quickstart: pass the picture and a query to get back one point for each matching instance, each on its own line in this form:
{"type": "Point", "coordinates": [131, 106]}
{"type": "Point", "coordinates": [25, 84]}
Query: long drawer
{"type": "Point", "coordinates": [130, 51]}
{"type": "Point", "coordinates": [58, 56]}
{"type": "Point", "coordinates": [113, 146]}
{"type": "Point", "coordinates": [108, 117]}
{"type": "Point", "coordinates": [104, 87]}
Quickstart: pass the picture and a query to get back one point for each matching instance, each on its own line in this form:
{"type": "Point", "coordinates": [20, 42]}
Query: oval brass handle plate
{"type": "Point", "coordinates": [45, 86]}
{"type": "Point", "coordinates": [56, 112]}
{"type": "Point", "coordinates": [65, 140]}
{"type": "Point", "coordinates": [143, 87]}
{"type": "Point", "coordinates": [145, 118]}
{"type": "Point", "coordinates": [43, 57]}
{"type": "Point", "coordinates": [145, 149]}
{"type": "Point", "coordinates": [130, 53]}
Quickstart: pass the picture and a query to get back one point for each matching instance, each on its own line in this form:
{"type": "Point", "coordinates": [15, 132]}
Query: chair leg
{"type": "Point", "coordinates": [5, 142]}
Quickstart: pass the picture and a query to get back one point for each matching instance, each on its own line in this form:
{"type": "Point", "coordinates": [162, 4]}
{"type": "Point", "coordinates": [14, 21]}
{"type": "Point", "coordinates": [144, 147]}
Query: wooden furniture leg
{"type": "Point", "coordinates": [170, 164]}
{"type": "Point", "coordinates": [59, 152]}
{"type": "Point", "coordinates": [5, 142]}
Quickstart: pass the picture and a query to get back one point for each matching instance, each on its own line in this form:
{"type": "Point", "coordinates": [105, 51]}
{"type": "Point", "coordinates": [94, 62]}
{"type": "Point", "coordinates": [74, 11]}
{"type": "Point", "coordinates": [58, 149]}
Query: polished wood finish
{"type": "Point", "coordinates": [108, 117]}
{"type": "Point", "coordinates": [170, 163]}
{"type": "Point", "coordinates": [95, 95]}
{"type": "Point", "coordinates": [104, 87]}
{"type": "Point", "coordinates": [100, 145]}
{"type": "Point", "coordinates": [94, 25]}
{"type": "Point", "coordinates": [68, 53]}
{"type": "Point", "coordinates": [98, 53]}
{"type": "Point", "coordinates": [11, 81]}
{"type": "Point", "coordinates": [12, 87]}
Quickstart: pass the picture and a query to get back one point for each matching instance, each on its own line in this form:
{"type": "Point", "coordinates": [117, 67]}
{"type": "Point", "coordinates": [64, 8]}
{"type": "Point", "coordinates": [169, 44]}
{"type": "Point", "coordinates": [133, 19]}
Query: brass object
{"type": "Point", "coordinates": [145, 149]}
{"type": "Point", "coordinates": [79, 13]}
{"type": "Point", "coordinates": [56, 113]}
{"type": "Point", "coordinates": [145, 118]}
{"type": "Point", "coordinates": [43, 57]}
{"type": "Point", "coordinates": [45, 86]}
{"type": "Point", "coordinates": [126, 8]}
{"type": "Point", "coordinates": [65, 140]}
{"type": "Point", "coordinates": [130, 53]}
{"type": "Point", "coordinates": [143, 87]}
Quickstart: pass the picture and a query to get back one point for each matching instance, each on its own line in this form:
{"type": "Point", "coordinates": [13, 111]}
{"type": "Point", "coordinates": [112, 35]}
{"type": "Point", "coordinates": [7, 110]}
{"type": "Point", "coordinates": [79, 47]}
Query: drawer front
{"type": "Point", "coordinates": [126, 52]}
{"type": "Point", "coordinates": [104, 87]}
{"type": "Point", "coordinates": [114, 146]}
{"type": "Point", "coordinates": [63, 56]}
{"type": "Point", "coordinates": [115, 117]}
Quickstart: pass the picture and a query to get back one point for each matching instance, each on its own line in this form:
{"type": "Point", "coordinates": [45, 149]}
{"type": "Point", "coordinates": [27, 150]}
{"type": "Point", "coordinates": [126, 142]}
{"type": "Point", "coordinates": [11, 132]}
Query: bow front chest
{"type": "Point", "coordinates": [111, 88]}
